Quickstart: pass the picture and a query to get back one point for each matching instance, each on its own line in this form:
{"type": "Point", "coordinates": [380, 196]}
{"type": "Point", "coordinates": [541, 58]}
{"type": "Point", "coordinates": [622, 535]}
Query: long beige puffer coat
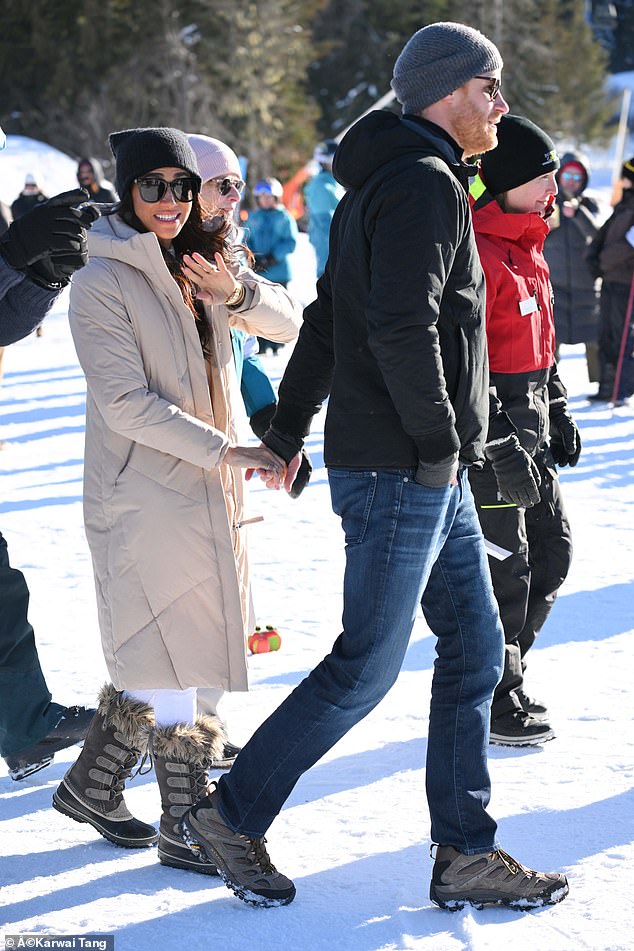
{"type": "Point", "coordinates": [163, 513]}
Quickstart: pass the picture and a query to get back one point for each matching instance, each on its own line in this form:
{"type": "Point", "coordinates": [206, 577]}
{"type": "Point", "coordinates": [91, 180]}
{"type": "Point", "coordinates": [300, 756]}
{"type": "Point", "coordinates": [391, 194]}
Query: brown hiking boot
{"type": "Point", "coordinates": [182, 755]}
{"type": "Point", "coordinates": [243, 863]}
{"type": "Point", "coordinates": [92, 789]}
{"type": "Point", "coordinates": [491, 878]}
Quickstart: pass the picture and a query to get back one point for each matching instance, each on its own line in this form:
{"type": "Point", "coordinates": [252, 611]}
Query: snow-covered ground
{"type": "Point", "coordinates": [355, 833]}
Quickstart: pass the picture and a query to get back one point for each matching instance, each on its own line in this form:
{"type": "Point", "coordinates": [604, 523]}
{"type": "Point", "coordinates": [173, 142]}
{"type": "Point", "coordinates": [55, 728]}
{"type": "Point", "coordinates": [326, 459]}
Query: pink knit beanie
{"type": "Point", "coordinates": [215, 159]}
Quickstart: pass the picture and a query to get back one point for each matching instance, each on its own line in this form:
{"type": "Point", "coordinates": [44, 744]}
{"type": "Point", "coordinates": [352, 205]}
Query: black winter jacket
{"type": "Point", "coordinates": [576, 296]}
{"type": "Point", "coordinates": [397, 333]}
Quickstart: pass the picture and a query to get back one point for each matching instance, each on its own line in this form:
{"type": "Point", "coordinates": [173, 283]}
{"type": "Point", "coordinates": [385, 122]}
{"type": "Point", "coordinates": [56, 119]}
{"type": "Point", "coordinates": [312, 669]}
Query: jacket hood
{"type": "Point", "coordinates": [95, 164]}
{"type": "Point", "coordinates": [380, 137]}
{"type": "Point", "coordinates": [581, 160]}
{"type": "Point", "coordinates": [111, 238]}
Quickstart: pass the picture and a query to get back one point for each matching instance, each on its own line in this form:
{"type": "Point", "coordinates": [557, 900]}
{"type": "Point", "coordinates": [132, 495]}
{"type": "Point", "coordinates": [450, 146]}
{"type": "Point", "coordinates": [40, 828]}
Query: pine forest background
{"type": "Point", "coordinates": [271, 77]}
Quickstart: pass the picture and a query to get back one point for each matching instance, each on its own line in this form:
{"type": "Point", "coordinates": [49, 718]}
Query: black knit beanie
{"type": "Point", "coordinates": [439, 59]}
{"type": "Point", "coordinates": [139, 151]}
{"type": "Point", "coordinates": [523, 152]}
{"type": "Point", "coordinates": [628, 170]}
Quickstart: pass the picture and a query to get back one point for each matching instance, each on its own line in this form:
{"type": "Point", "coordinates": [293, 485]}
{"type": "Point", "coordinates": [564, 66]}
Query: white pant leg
{"type": "Point", "coordinates": [170, 706]}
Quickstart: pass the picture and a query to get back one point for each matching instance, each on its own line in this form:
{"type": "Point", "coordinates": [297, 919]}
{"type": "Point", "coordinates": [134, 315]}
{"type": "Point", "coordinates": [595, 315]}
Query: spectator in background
{"type": "Point", "coordinates": [517, 492]}
{"type": "Point", "coordinates": [573, 224]}
{"type": "Point", "coordinates": [38, 254]}
{"type": "Point", "coordinates": [30, 196]}
{"type": "Point", "coordinates": [322, 195]}
{"type": "Point", "coordinates": [611, 257]}
{"type": "Point", "coordinates": [271, 235]}
{"type": "Point", "coordinates": [90, 176]}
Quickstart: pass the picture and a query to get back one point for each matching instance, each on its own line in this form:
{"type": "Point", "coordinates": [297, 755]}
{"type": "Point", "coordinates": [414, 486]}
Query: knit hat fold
{"type": "Point", "coordinates": [215, 159]}
{"type": "Point", "coordinates": [439, 59]}
{"type": "Point", "coordinates": [139, 151]}
{"type": "Point", "coordinates": [524, 152]}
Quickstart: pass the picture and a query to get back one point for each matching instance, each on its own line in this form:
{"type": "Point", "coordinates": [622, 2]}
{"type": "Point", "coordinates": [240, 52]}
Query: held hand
{"type": "Point", "coordinates": [269, 467]}
{"type": "Point", "coordinates": [215, 280]}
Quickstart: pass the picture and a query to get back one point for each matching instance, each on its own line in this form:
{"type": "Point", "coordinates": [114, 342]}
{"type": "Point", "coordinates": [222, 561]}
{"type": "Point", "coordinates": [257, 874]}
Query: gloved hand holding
{"type": "Point", "coordinates": [260, 422]}
{"type": "Point", "coordinates": [48, 244]}
{"type": "Point", "coordinates": [517, 475]}
{"type": "Point", "coordinates": [565, 440]}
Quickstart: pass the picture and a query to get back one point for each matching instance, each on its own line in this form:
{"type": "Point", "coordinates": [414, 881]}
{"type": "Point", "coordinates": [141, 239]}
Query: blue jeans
{"type": "Point", "coordinates": [401, 539]}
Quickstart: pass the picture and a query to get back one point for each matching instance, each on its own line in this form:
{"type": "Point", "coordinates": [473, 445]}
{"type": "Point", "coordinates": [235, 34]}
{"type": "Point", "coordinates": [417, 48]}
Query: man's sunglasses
{"type": "Point", "coordinates": [153, 189]}
{"type": "Point", "coordinates": [224, 185]}
{"type": "Point", "coordinates": [493, 88]}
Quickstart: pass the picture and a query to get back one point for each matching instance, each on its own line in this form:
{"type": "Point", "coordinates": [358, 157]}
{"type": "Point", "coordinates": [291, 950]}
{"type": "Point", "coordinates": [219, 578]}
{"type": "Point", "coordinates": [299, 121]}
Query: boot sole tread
{"type": "Point", "coordinates": [122, 842]}
{"type": "Point", "coordinates": [244, 894]}
{"type": "Point", "coordinates": [457, 903]}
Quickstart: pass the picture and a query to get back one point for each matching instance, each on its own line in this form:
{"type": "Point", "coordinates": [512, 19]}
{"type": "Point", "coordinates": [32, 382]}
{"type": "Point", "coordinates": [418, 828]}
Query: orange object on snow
{"type": "Point", "coordinates": [264, 641]}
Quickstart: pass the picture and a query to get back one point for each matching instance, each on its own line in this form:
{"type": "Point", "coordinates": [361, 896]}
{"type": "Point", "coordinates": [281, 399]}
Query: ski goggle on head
{"type": "Point", "coordinates": [153, 189]}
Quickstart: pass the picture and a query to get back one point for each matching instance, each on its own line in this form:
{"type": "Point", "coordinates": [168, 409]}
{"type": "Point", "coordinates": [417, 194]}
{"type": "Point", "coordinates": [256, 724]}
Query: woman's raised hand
{"type": "Point", "coordinates": [215, 280]}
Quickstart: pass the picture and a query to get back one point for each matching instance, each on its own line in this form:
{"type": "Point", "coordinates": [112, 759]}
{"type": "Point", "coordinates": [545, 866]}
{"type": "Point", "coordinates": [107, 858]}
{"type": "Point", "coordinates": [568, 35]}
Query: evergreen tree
{"type": "Point", "coordinates": [253, 55]}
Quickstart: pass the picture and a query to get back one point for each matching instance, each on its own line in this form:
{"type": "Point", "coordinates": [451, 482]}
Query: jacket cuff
{"type": "Point", "coordinates": [281, 444]}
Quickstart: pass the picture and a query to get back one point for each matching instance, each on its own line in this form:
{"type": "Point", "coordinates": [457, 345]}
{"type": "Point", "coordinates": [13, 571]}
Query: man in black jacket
{"type": "Point", "coordinates": [397, 338]}
{"type": "Point", "coordinates": [38, 254]}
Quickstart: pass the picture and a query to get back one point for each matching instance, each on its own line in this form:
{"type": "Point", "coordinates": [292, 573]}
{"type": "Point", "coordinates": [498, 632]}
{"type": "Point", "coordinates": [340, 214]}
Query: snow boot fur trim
{"type": "Point", "coordinates": [182, 755]}
{"type": "Point", "coordinates": [92, 789]}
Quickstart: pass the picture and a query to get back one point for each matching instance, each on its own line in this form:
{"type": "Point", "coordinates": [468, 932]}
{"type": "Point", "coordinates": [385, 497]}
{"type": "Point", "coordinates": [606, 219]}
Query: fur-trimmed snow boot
{"type": "Point", "coordinates": [182, 755]}
{"type": "Point", "coordinates": [92, 789]}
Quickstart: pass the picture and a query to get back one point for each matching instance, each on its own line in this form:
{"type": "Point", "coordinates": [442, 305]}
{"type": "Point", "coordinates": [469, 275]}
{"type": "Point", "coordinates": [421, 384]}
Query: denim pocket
{"type": "Point", "coordinates": [352, 493]}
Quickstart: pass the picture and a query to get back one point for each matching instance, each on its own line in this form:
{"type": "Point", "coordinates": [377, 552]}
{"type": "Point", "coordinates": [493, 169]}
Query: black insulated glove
{"type": "Point", "coordinates": [565, 440]}
{"type": "Point", "coordinates": [48, 244]}
{"type": "Point", "coordinates": [517, 475]}
{"type": "Point", "coordinates": [263, 262]}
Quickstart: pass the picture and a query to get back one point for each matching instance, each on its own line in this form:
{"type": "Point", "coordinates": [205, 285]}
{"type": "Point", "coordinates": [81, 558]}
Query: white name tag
{"type": "Point", "coordinates": [528, 306]}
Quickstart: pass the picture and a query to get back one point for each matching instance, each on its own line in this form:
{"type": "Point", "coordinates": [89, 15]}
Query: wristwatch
{"type": "Point", "coordinates": [236, 296]}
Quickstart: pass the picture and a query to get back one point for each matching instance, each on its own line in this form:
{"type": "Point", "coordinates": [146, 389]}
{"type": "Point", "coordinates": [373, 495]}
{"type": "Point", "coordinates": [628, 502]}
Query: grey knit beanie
{"type": "Point", "coordinates": [439, 59]}
{"type": "Point", "coordinates": [139, 151]}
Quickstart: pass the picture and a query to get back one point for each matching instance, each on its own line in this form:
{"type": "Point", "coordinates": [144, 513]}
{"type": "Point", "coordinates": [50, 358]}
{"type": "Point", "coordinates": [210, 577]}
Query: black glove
{"type": "Point", "coordinates": [48, 244]}
{"type": "Point", "coordinates": [565, 441]}
{"type": "Point", "coordinates": [263, 262]}
{"type": "Point", "coordinates": [517, 475]}
{"type": "Point", "coordinates": [436, 475]}
{"type": "Point", "coordinates": [260, 422]}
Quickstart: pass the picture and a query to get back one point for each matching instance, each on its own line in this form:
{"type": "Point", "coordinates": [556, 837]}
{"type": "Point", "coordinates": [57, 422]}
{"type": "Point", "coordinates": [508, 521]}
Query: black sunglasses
{"type": "Point", "coordinates": [153, 189]}
{"type": "Point", "coordinates": [493, 88]}
{"type": "Point", "coordinates": [224, 185]}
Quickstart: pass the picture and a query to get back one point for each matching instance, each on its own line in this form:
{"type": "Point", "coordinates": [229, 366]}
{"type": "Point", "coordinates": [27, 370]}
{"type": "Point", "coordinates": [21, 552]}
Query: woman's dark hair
{"type": "Point", "coordinates": [203, 232]}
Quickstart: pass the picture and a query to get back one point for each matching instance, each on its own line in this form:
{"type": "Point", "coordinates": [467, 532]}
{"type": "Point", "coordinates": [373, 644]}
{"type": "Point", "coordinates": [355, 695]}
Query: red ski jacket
{"type": "Point", "coordinates": [519, 295]}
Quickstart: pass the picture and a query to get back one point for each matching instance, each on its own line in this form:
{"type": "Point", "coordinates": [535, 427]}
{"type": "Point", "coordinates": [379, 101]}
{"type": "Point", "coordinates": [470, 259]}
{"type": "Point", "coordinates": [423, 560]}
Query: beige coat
{"type": "Point", "coordinates": [162, 512]}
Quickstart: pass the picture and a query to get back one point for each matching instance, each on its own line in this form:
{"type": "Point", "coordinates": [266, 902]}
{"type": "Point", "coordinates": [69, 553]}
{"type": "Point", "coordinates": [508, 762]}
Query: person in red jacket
{"type": "Point", "coordinates": [517, 491]}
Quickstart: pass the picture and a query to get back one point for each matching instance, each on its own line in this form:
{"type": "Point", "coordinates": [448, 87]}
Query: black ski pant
{"type": "Point", "coordinates": [526, 581]}
{"type": "Point", "coordinates": [26, 711]}
{"type": "Point", "coordinates": [612, 315]}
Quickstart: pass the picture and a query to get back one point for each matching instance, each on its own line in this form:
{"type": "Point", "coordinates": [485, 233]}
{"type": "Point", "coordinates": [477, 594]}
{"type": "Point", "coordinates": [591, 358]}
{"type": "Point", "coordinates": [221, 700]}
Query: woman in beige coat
{"type": "Point", "coordinates": [163, 488]}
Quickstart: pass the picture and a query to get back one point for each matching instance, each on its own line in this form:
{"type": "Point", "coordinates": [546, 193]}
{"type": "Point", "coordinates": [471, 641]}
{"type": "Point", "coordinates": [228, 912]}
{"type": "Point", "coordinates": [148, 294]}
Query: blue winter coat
{"type": "Point", "coordinates": [322, 195]}
{"type": "Point", "coordinates": [272, 233]}
{"type": "Point", "coordinates": [255, 386]}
